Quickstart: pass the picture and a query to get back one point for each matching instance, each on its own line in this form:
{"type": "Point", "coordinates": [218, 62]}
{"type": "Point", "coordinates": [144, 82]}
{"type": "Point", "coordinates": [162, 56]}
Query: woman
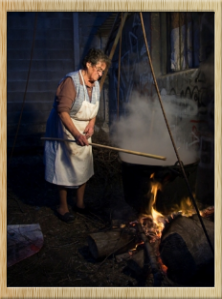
{"type": "Point", "coordinates": [70, 164]}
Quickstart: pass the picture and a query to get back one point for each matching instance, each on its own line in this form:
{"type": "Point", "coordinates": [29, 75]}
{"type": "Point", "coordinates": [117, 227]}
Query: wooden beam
{"type": "Point", "coordinates": [113, 48]}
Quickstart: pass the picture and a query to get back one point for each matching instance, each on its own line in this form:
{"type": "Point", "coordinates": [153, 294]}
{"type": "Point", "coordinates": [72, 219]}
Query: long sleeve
{"type": "Point", "coordinates": [65, 95]}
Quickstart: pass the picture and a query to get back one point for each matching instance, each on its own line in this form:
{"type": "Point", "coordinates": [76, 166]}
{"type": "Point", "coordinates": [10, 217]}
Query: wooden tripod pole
{"type": "Point", "coordinates": [171, 136]}
{"type": "Point", "coordinates": [110, 147]}
{"type": "Point", "coordinates": [123, 19]}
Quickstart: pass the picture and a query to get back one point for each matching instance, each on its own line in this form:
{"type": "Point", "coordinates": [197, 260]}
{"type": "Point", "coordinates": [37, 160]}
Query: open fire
{"type": "Point", "coordinates": [174, 244]}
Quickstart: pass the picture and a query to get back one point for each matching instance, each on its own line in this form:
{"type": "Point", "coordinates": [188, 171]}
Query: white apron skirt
{"type": "Point", "coordinates": [67, 163]}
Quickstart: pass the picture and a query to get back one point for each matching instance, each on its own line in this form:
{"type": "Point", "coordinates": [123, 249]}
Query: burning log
{"type": "Point", "coordinates": [123, 257]}
{"type": "Point", "coordinates": [208, 213]}
{"type": "Point", "coordinates": [138, 263]}
{"type": "Point", "coordinates": [171, 247]}
{"type": "Point", "coordinates": [157, 275]}
{"type": "Point", "coordinates": [182, 252]}
{"type": "Point", "coordinates": [176, 244]}
{"type": "Point", "coordinates": [185, 251]}
{"type": "Point", "coordinates": [103, 244]}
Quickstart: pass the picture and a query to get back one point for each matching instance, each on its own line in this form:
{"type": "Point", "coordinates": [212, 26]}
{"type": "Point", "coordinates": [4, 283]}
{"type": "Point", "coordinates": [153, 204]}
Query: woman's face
{"type": "Point", "coordinates": [94, 72]}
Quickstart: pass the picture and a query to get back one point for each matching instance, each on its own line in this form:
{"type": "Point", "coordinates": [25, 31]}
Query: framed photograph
{"type": "Point", "coordinates": [151, 102]}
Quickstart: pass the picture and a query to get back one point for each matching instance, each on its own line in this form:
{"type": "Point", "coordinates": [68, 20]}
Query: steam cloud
{"type": "Point", "coordinates": [143, 129]}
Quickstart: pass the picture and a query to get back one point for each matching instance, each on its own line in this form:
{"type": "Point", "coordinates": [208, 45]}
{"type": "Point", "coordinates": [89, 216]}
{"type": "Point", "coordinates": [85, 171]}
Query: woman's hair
{"type": "Point", "coordinates": [94, 56]}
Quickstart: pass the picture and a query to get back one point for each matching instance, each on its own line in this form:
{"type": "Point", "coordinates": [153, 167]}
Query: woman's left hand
{"type": "Point", "coordinates": [89, 130]}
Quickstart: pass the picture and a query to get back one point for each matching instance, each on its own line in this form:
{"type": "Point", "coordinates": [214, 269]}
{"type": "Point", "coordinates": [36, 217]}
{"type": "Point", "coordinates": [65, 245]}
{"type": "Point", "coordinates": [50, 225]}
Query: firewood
{"type": "Point", "coordinates": [185, 251]}
{"type": "Point", "coordinates": [123, 257]}
{"type": "Point", "coordinates": [102, 244]}
{"type": "Point", "coordinates": [157, 275]}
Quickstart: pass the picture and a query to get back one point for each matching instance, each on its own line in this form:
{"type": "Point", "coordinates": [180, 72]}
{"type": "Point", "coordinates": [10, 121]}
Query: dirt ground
{"type": "Point", "coordinates": [65, 259]}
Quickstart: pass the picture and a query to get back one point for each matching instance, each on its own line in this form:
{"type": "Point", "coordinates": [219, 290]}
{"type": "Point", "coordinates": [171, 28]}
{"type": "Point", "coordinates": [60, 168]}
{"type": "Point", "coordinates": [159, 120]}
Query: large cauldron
{"type": "Point", "coordinates": [136, 182]}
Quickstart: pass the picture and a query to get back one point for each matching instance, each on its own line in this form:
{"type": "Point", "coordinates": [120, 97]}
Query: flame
{"type": "Point", "coordinates": [135, 248]}
{"type": "Point", "coordinates": [158, 218]}
{"type": "Point", "coordinates": [154, 224]}
{"type": "Point", "coordinates": [164, 268]}
{"type": "Point", "coordinates": [152, 176]}
{"type": "Point", "coordinates": [207, 212]}
{"type": "Point", "coordinates": [186, 207]}
{"type": "Point", "coordinates": [158, 222]}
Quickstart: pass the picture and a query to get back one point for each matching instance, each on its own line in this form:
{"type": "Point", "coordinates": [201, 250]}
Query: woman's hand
{"type": "Point", "coordinates": [66, 120]}
{"type": "Point", "coordinates": [81, 139]}
{"type": "Point", "coordinates": [89, 130]}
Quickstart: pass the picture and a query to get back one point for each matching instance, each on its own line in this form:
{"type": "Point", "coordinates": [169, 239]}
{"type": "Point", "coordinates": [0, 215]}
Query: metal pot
{"type": "Point", "coordinates": [136, 180]}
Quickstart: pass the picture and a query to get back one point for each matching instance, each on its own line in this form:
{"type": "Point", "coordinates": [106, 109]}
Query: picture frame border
{"type": "Point", "coordinates": [101, 6]}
